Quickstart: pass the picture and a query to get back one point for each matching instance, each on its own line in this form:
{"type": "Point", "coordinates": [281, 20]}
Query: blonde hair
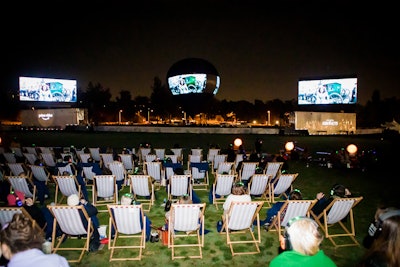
{"type": "Point", "coordinates": [126, 199]}
{"type": "Point", "coordinates": [305, 236]}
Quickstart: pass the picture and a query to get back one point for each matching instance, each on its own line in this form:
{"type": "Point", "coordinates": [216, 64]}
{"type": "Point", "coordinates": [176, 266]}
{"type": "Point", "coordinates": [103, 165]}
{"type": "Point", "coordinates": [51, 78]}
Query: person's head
{"type": "Point", "coordinates": [127, 199]}
{"type": "Point", "coordinates": [338, 190]}
{"type": "Point", "coordinates": [66, 173]}
{"type": "Point", "coordinates": [67, 158]}
{"type": "Point", "coordinates": [238, 188]}
{"type": "Point", "coordinates": [20, 235]}
{"type": "Point", "coordinates": [387, 236]}
{"type": "Point", "coordinates": [295, 194]}
{"type": "Point", "coordinates": [73, 200]}
{"type": "Point", "coordinates": [90, 160]}
{"type": "Point", "coordinates": [302, 235]}
{"type": "Point", "coordinates": [185, 199]}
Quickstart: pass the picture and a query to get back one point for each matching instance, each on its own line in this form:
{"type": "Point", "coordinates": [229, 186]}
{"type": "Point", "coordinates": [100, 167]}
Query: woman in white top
{"type": "Point", "coordinates": [238, 195]}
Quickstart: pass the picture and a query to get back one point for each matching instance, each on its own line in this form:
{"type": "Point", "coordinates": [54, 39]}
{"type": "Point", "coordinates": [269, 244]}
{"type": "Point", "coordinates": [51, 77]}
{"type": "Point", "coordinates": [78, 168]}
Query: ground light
{"type": "Point", "coordinates": [237, 143]}
{"type": "Point", "coordinates": [289, 146]}
{"type": "Point", "coordinates": [352, 149]}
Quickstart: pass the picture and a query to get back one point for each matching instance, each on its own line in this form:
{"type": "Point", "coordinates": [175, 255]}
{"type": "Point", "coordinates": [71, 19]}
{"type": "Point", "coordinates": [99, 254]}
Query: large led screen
{"type": "Point", "coordinates": [47, 90]}
{"type": "Point", "coordinates": [193, 83]}
{"type": "Point", "coordinates": [327, 91]}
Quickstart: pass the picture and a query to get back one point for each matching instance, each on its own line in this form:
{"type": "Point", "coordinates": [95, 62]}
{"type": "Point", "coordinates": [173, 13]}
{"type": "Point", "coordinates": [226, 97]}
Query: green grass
{"type": "Point", "coordinates": [373, 185]}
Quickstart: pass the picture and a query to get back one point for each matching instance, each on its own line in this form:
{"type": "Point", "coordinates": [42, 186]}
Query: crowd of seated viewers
{"type": "Point", "coordinates": [381, 240]}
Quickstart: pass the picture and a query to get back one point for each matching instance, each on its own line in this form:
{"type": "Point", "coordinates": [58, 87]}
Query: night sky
{"type": "Point", "coordinates": [260, 50]}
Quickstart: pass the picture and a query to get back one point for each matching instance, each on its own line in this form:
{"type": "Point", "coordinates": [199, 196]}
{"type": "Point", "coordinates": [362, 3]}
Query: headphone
{"type": "Point", "coordinates": [375, 229]}
{"type": "Point", "coordinates": [335, 188]}
{"type": "Point", "coordinates": [18, 201]}
{"type": "Point", "coordinates": [286, 236]}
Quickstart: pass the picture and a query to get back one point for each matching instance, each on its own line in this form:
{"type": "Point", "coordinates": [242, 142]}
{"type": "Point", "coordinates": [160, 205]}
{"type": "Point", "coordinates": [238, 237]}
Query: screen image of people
{"type": "Point", "coordinates": [328, 91]}
{"type": "Point", "coordinates": [187, 83]}
{"type": "Point", "coordinates": [47, 90]}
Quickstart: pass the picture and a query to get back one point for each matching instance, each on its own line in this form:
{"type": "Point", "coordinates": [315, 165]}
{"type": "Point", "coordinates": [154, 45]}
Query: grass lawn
{"type": "Point", "coordinates": [375, 183]}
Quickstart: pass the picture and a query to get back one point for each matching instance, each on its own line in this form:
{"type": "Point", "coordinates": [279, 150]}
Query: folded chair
{"type": "Point", "coordinates": [142, 189]}
{"type": "Point", "coordinates": [186, 230]}
{"type": "Point", "coordinates": [289, 210]}
{"type": "Point", "coordinates": [281, 185]}
{"type": "Point", "coordinates": [23, 184]}
{"type": "Point", "coordinates": [238, 227]}
{"type": "Point", "coordinates": [258, 188]}
{"type": "Point", "coordinates": [179, 185]}
{"type": "Point", "coordinates": [105, 190]}
{"type": "Point", "coordinates": [222, 187]}
{"type": "Point", "coordinates": [129, 224]}
{"type": "Point", "coordinates": [336, 219]}
{"type": "Point", "coordinates": [66, 185]}
{"type": "Point", "coordinates": [69, 219]}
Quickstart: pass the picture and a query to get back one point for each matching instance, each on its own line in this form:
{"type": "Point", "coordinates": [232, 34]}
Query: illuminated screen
{"type": "Point", "coordinates": [47, 90]}
{"type": "Point", "coordinates": [327, 91]}
{"type": "Point", "coordinates": [193, 83]}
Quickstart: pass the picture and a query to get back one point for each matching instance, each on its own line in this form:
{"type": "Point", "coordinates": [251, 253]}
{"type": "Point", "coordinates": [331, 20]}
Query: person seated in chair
{"type": "Point", "coordinates": [272, 212]}
{"type": "Point", "coordinates": [73, 200]}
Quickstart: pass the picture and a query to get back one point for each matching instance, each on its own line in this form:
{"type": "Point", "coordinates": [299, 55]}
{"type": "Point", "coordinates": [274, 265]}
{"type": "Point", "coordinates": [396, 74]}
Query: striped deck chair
{"type": "Point", "coordinates": [67, 168]}
{"type": "Point", "coordinates": [186, 224]}
{"type": "Point", "coordinates": [83, 157]}
{"type": "Point", "coordinates": [23, 184]}
{"type": "Point", "coordinates": [331, 221]}
{"type": "Point", "coordinates": [106, 159]}
{"type": "Point", "coordinates": [143, 151]}
{"type": "Point", "coordinates": [273, 169]}
{"type": "Point", "coordinates": [68, 218]}
{"type": "Point", "coordinates": [127, 160]}
{"type": "Point", "coordinates": [174, 158]}
{"type": "Point", "coordinates": [40, 173]}
{"type": "Point", "coordinates": [225, 167]}
{"type": "Point", "coordinates": [211, 154]}
{"type": "Point", "coordinates": [193, 159]}
{"type": "Point", "coordinates": [31, 150]}
{"type": "Point", "coordinates": [117, 168]}
{"type": "Point", "coordinates": [178, 152]}
{"type": "Point", "coordinates": [160, 153]}
{"type": "Point", "coordinates": [30, 158]}
{"type": "Point", "coordinates": [238, 227]}
{"type": "Point", "coordinates": [7, 213]}
{"type": "Point", "coordinates": [222, 187]}
{"type": "Point", "coordinates": [66, 185]}
{"type": "Point", "coordinates": [18, 168]}
{"type": "Point", "coordinates": [179, 185]}
{"type": "Point", "coordinates": [129, 223]}
{"type": "Point", "coordinates": [142, 189]}
{"type": "Point", "coordinates": [200, 178]}
{"type": "Point", "coordinates": [150, 157]}
{"type": "Point", "coordinates": [289, 210]}
{"type": "Point", "coordinates": [247, 170]}
{"type": "Point", "coordinates": [258, 188]}
{"type": "Point", "coordinates": [217, 160]}
{"type": "Point", "coordinates": [105, 190]}
{"type": "Point", "coordinates": [48, 159]}
{"type": "Point", "coordinates": [95, 153]}
{"type": "Point", "coordinates": [154, 169]}
{"type": "Point", "coordinates": [10, 157]}
{"type": "Point", "coordinates": [281, 185]}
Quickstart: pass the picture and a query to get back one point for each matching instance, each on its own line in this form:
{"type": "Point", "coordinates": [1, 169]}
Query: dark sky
{"type": "Point", "coordinates": [259, 49]}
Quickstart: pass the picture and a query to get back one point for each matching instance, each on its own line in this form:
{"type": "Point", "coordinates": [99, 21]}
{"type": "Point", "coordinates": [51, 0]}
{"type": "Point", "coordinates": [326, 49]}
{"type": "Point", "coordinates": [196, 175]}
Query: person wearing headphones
{"type": "Point", "coordinates": [301, 245]}
{"type": "Point", "coordinates": [384, 245]}
{"type": "Point", "coordinates": [272, 212]}
{"type": "Point", "coordinates": [337, 191]}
